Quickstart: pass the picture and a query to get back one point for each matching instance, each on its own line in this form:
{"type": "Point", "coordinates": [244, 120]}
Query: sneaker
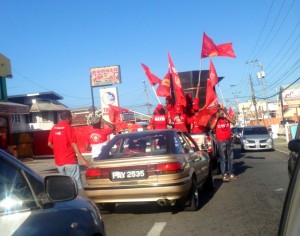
{"type": "Point", "coordinates": [232, 176]}
{"type": "Point", "coordinates": [226, 178]}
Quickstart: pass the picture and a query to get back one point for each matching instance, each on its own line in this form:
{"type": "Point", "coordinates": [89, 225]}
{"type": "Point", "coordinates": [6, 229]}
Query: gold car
{"type": "Point", "coordinates": [163, 166]}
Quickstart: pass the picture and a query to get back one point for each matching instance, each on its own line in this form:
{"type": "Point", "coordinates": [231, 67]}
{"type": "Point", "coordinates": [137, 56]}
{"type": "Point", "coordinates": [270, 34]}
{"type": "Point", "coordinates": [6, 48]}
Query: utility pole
{"type": "Point", "coordinates": [147, 98]}
{"type": "Point", "coordinates": [253, 99]}
{"type": "Point", "coordinates": [261, 75]}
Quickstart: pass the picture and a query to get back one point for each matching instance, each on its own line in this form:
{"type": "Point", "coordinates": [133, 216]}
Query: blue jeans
{"type": "Point", "coordinates": [226, 156]}
{"type": "Point", "coordinates": [73, 171]}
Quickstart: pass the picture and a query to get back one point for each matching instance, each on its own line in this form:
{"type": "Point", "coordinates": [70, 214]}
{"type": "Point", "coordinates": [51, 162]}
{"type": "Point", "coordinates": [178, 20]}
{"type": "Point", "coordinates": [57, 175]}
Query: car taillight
{"type": "Point", "coordinates": [169, 168]}
{"type": "Point", "coordinates": [208, 138]}
{"type": "Point", "coordinates": [96, 173]}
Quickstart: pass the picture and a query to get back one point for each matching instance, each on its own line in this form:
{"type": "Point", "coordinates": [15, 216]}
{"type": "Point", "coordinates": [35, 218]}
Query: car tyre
{"type": "Point", "coordinates": [209, 184]}
{"type": "Point", "coordinates": [192, 202]}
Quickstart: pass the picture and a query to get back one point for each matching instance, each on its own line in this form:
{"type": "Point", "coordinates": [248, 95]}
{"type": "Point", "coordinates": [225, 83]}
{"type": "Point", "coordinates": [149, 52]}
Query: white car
{"type": "Point", "coordinates": [256, 138]}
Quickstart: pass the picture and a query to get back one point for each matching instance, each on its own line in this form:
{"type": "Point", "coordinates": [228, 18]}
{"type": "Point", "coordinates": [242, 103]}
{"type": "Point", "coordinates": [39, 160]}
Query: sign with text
{"type": "Point", "coordinates": [107, 75]}
{"type": "Point", "coordinates": [108, 96]}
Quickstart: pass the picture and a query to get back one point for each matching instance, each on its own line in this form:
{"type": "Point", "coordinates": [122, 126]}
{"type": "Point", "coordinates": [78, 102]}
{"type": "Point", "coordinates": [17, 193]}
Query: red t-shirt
{"type": "Point", "coordinates": [97, 136]}
{"type": "Point", "coordinates": [197, 129]}
{"type": "Point", "coordinates": [223, 131]}
{"type": "Point", "coordinates": [180, 122]}
{"type": "Point", "coordinates": [159, 121]}
{"type": "Point", "coordinates": [62, 135]}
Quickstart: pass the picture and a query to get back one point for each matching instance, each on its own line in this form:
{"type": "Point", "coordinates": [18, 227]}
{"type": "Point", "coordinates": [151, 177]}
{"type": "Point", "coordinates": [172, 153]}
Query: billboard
{"type": "Point", "coordinates": [108, 96]}
{"type": "Point", "coordinates": [107, 75]}
{"type": "Point", "coordinates": [291, 96]}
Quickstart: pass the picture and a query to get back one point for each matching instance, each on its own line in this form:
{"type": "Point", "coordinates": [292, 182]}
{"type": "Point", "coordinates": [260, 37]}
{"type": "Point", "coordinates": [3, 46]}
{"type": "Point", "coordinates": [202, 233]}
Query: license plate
{"type": "Point", "coordinates": [128, 175]}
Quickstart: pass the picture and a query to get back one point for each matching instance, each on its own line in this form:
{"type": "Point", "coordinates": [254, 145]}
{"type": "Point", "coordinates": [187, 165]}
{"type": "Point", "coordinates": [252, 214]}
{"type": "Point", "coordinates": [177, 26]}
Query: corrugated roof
{"type": "Point", "coordinates": [47, 106]}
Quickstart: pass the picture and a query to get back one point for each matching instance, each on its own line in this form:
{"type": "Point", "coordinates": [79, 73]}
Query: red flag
{"type": "Point", "coordinates": [163, 90]}
{"type": "Point", "coordinates": [115, 112]}
{"type": "Point", "coordinates": [153, 79]}
{"type": "Point", "coordinates": [209, 49]}
{"type": "Point", "coordinates": [178, 91]}
{"type": "Point", "coordinates": [206, 113]}
{"type": "Point", "coordinates": [211, 82]}
{"type": "Point", "coordinates": [231, 113]}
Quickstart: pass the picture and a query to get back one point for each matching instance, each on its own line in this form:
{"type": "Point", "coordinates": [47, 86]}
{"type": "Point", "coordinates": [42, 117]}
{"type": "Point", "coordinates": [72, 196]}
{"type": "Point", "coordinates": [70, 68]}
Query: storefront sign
{"type": "Point", "coordinates": [105, 76]}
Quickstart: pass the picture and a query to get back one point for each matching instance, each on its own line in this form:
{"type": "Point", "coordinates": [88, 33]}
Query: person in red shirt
{"type": "Point", "coordinates": [62, 140]}
{"type": "Point", "coordinates": [159, 119]}
{"type": "Point", "coordinates": [195, 127]}
{"type": "Point", "coordinates": [180, 120]}
{"type": "Point", "coordinates": [221, 124]}
{"type": "Point", "coordinates": [97, 138]}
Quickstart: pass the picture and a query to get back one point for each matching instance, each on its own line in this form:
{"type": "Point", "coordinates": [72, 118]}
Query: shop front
{"type": "Point", "coordinates": [8, 111]}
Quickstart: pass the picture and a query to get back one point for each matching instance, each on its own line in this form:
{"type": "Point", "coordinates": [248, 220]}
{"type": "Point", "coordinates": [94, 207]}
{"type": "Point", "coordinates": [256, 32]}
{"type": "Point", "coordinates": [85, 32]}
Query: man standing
{"type": "Point", "coordinates": [221, 124]}
{"type": "Point", "coordinates": [62, 140]}
{"type": "Point", "coordinates": [97, 138]}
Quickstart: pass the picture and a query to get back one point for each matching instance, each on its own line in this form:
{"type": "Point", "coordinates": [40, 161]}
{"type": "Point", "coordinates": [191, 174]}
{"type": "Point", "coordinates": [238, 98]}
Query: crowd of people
{"type": "Point", "coordinates": [63, 141]}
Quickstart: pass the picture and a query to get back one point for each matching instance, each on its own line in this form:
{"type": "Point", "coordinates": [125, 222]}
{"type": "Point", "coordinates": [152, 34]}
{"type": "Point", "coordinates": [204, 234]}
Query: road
{"type": "Point", "coordinates": [250, 205]}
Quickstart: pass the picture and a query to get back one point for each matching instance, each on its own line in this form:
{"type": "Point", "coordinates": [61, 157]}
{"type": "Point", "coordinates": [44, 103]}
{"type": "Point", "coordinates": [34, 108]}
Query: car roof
{"type": "Point", "coordinates": [148, 132]}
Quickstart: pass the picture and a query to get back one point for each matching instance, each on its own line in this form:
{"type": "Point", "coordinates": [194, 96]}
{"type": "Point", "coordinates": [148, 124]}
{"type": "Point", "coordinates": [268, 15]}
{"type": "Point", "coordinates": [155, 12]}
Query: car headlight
{"type": "Point", "coordinates": [269, 140]}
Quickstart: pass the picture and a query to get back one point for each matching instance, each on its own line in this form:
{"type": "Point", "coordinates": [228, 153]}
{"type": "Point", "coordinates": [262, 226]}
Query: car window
{"type": "Point", "coordinates": [15, 194]}
{"type": "Point", "coordinates": [255, 130]}
{"type": "Point", "coordinates": [125, 146]}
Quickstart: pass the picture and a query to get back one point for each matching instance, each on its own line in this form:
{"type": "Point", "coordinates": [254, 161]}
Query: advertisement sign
{"type": "Point", "coordinates": [291, 97]}
{"type": "Point", "coordinates": [107, 75]}
{"type": "Point", "coordinates": [108, 96]}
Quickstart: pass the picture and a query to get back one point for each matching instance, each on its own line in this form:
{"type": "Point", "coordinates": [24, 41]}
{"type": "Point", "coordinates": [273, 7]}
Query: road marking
{"type": "Point", "coordinates": [282, 151]}
{"type": "Point", "coordinates": [157, 229]}
{"type": "Point", "coordinates": [279, 190]}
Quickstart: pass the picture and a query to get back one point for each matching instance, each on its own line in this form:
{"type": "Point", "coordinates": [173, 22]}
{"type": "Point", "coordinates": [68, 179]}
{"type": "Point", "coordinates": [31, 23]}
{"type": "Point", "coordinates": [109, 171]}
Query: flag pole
{"type": "Point", "coordinates": [156, 95]}
{"type": "Point", "coordinates": [221, 94]}
{"type": "Point", "coordinates": [199, 77]}
{"type": "Point", "coordinates": [140, 113]}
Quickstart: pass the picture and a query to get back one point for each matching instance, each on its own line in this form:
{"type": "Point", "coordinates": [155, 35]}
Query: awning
{"type": "Point", "coordinates": [45, 106]}
{"type": "Point", "coordinates": [8, 108]}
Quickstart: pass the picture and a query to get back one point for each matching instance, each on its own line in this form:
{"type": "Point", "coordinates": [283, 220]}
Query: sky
{"type": "Point", "coordinates": [52, 45]}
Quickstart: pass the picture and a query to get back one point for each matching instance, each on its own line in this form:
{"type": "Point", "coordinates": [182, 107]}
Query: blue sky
{"type": "Point", "coordinates": [53, 44]}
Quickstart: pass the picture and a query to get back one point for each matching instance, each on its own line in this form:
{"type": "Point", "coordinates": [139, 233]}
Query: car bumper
{"type": "Point", "coordinates": [118, 194]}
{"type": "Point", "coordinates": [257, 147]}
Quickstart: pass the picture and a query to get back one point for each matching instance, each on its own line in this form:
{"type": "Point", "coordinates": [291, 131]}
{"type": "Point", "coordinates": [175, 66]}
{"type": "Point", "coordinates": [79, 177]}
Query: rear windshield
{"type": "Point", "coordinates": [255, 130]}
{"type": "Point", "coordinates": [139, 145]}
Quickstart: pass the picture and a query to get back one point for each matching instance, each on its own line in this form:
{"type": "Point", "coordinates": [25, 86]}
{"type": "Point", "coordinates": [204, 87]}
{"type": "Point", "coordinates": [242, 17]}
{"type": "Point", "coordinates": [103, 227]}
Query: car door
{"type": "Point", "coordinates": [24, 210]}
{"type": "Point", "coordinates": [198, 160]}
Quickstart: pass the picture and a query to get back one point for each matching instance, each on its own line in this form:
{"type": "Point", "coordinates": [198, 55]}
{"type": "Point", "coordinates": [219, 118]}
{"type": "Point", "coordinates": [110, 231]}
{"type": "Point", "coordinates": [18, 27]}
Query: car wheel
{"type": "Point", "coordinates": [209, 184]}
{"type": "Point", "coordinates": [192, 202]}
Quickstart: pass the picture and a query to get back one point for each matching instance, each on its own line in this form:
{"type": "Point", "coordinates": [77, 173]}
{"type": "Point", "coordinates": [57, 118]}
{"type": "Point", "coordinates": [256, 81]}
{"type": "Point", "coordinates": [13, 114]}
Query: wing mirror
{"type": "Point", "coordinates": [294, 145]}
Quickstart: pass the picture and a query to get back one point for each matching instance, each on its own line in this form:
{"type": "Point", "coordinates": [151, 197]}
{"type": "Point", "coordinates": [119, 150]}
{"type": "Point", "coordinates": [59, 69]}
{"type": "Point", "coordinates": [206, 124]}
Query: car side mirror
{"type": "Point", "coordinates": [60, 188]}
{"type": "Point", "coordinates": [294, 145]}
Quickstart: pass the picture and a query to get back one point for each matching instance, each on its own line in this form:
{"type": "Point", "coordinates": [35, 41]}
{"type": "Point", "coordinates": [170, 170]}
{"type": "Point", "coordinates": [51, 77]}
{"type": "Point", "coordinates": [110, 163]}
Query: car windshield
{"type": "Point", "coordinates": [255, 130]}
{"type": "Point", "coordinates": [138, 145]}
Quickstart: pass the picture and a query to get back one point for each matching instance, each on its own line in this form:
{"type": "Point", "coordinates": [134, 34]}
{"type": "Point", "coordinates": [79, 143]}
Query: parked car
{"type": "Point", "coordinates": [32, 205]}
{"type": "Point", "coordinates": [236, 135]}
{"type": "Point", "coordinates": [256, 138]}
{"type": "Point", "coordinates": [162, 166]}
{"type": "Point", "coordinates": [290, 216]}
{"type": "Point", "coordinates": [293, 146]}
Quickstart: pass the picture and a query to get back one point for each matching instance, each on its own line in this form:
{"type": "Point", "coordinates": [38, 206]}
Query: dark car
{"type": "Point", "coordinates": [162, 166]}
{"type": "Point", "coordinates": [236, 135]}
{"type": "Point", "coordinates": [33, 205]}
{"type": "Point", "coordinates": [290, 216]}
{"type": "Point", "coordinates": [293, 146]}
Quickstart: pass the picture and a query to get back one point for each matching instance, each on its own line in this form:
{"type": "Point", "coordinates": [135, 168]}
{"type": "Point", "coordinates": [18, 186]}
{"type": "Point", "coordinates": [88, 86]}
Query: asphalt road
{"type": "Point", "coordinates": [250, 205]}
